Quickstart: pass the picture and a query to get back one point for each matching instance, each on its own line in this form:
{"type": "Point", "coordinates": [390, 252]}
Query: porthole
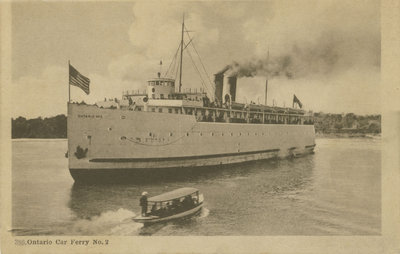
{"type": "Point", "coordinates": [212, 133]}
{"type": "Point", "coordinates": [123, 117]}
{"type": "Point", "coordinates": [170, 134]}
{"type": "Point", "coordinates": [201, 134]}
{"type": "Point", "coordinates": [109, 128]}
{"type": "Point", "coordinates": [231, 134]}
{"type": "Point", "coordinates": [150, 134]}
{"type": "Point", "coordinates": [187, 133]}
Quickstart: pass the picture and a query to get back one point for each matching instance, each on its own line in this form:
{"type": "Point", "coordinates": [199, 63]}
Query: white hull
{"type": "Point", "coordinates": [131, 140]}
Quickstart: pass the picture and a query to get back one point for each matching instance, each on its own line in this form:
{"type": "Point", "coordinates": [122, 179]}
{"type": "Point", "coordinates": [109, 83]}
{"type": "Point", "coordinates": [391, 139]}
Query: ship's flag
{"type": "Point", "coordinates": [296, 100]}
{"type": "Point", "coordinates": [77, 79]}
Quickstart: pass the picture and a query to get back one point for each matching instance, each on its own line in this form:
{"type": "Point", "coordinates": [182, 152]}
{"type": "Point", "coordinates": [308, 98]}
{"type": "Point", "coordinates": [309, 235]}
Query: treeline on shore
{"type": "Point", "coordinates": [325, 123]}
{"type": "Point", "coordinates": [350, 123]}
{"type": "Point", "coordinates": [49, 127]}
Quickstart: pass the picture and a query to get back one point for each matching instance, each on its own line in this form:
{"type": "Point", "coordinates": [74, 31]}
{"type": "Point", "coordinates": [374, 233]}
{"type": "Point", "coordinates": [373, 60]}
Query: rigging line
{"type": "Point", "coordinates": [187, 32]}
{"type": "Point", "coordinates": [176, 71]}
{"type": "Point", "coordinates": [173, 66]}
{"type": "Point", "coordinates": [173, 59]}
{"type": "Point", "coordinates": [198, 71]}
{"type": "Point", "coordinates": [202, 81]}
{"type": "Point", "coordinates": [212, 90]}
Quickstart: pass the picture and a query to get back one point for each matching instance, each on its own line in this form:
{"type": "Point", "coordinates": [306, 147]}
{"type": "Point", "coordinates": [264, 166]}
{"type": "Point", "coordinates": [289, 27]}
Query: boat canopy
{"type": "Point", "coordinates": [178, 193]}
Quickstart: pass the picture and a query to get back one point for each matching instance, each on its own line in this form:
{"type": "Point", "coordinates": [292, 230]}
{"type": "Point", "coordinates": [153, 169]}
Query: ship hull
{"type": "Point", "coordinates": [115, 145]}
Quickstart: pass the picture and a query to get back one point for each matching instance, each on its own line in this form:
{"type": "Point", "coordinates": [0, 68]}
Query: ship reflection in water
{"type": "Point", "coordinates": [335, 191]}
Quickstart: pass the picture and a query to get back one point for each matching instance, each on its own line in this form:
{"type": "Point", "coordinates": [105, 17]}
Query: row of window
{"type": "Point", "coordinates": [211, 134]}
{"type": "Point", "coordinates": [161, 83]}
{"type": "Point", "coordinates": [160, 110]}
{"type": "Point", "coordinates": [170, 96]}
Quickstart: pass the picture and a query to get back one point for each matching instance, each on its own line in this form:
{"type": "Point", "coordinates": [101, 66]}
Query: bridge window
{"type": "Point", "coordinates": [161, 96]}
{"type": "Point", "coordinates": [157, 83]}
{"type": "Point", "coordinates": [153, 110]}
{"type": "Point", "coordinates": [160, 110]}
{"type": "Point", "coordinates": [170, 110]}
{"type": "Point", "coordinates": [177, 110]}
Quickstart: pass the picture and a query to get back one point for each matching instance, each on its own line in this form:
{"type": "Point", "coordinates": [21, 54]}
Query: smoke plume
{"type": "Point", "coordinates": [302, 45]}
{"type": "Point", "coordinates": [325, 57]}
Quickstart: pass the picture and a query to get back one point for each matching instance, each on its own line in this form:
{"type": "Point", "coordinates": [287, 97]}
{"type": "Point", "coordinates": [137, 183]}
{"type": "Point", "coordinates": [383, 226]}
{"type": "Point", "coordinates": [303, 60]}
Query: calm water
{"type": "Point", "coordinates": [336, 191]}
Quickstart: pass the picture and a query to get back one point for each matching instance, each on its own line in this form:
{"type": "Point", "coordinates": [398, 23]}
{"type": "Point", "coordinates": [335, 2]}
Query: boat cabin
{"type": "Point", "coordinates": [174, 202]}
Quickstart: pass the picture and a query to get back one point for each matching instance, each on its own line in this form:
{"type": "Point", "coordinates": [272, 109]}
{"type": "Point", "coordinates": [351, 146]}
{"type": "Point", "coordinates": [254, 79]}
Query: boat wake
{"type": "Point", "coordinates": [117, 222]}
{"type": "Point", "coordinates": [108, 223]}
{"type": "Point", "coordinates": [204, 212]}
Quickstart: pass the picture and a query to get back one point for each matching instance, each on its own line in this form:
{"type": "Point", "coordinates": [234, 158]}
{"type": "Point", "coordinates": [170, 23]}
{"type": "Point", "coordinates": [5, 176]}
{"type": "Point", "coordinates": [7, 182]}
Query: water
{"type": "Point", "coordinates": [336, 191]}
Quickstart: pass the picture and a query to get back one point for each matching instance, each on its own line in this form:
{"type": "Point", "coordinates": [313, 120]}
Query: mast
{"type": "Point", "coordinates": [266, 82]}
{"type": "Point", "coordinates": [180, 66]}
{"type": "Point", "coordinates": [69, 83]}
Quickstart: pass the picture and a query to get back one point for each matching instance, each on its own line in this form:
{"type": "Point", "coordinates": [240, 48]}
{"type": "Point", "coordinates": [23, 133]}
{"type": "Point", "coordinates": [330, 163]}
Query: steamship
{"type": "Point", "coordinates": [166, 129]}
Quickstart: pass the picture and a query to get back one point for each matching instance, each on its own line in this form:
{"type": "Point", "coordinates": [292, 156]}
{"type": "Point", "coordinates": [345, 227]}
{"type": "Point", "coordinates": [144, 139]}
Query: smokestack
{"type": "Point", "coordinates": [232, 87]}
{"type": "Point", "coordinates": [266, 92]}
{"type": "Point", "coordinates": [219, 84]}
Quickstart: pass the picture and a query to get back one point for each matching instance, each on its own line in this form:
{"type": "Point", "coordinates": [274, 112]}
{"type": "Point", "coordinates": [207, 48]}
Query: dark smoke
{"type": "Point", "coordinates": [329, 55]}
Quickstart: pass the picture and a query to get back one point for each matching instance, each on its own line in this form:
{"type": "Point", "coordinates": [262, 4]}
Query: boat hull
{"type": "Point", "coordinates": [152, 220]}
{"type": "Point", "coordinates": [107, 144]}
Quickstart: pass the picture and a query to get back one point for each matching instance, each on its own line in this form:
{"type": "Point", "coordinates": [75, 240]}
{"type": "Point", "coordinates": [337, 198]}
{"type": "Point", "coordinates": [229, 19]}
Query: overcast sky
{"type": "Point", "coordinates": [325, 52]}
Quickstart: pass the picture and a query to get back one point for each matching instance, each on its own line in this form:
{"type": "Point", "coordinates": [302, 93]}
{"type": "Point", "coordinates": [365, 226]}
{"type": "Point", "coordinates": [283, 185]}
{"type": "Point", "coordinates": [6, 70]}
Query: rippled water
{"type": "Point", "coordinates": [336, 191]}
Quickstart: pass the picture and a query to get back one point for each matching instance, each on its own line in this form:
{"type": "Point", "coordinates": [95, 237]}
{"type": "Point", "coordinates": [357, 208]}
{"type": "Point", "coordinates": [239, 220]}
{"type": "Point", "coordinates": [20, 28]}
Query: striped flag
{"type": "Point", "coordinates": [77, 79]}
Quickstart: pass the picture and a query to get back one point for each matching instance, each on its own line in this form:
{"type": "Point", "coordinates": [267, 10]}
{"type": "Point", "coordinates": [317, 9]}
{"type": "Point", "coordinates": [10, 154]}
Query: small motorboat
{"type": "Point", "coordinates": [172, 205]}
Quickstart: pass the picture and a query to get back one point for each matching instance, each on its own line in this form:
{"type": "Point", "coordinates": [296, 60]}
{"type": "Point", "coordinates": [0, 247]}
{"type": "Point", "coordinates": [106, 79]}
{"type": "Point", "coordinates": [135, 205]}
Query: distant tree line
{"type": "Point", "coordinates": [56, 127]}
{"type": "Point", "coordinates": [347, 123]}
{"type": "Point", "coordinates": [51, 127]}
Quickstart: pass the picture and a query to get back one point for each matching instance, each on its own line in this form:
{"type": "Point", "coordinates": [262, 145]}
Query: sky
{"type": "Point", "coordinates": [325, 52]}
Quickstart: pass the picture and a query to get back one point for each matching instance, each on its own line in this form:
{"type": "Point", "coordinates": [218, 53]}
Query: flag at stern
{"type": "Point", "coordinates": [77, 79]}
{"type": "Point", "coordinates": [296, 100]}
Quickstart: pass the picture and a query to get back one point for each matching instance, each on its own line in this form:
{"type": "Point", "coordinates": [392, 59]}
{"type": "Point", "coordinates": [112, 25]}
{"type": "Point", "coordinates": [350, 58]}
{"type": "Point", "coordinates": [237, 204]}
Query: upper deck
{"type": "Point", "coordinates": [161, 97]}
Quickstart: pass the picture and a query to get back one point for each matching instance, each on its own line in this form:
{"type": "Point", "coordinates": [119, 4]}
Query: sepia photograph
{"type": "Point", "coordinates": [194, 118]}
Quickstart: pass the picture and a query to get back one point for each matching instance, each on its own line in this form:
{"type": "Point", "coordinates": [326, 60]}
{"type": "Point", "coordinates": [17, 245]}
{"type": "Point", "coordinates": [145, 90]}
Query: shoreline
{"type": "Point", "coordinates": [347, 135]}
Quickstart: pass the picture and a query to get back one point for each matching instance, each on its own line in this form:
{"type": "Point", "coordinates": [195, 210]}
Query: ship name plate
{"type": "Point", "coordinates": [89, 116]}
